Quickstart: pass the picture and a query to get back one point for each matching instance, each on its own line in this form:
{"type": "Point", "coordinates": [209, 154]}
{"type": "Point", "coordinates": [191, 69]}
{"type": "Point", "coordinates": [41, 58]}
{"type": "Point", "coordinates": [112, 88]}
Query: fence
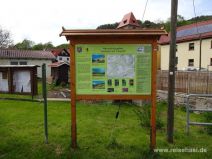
{"type": "Point", "coordinates": [188, 109]}
{"type": "Point", "coordinates": [197, 82]}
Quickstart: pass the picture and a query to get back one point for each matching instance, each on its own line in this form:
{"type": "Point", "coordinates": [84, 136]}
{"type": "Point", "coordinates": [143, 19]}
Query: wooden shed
{"type": "Point", "coordinates": [18, 79]}
{"type": "Point", "coordinates": [60, 72]}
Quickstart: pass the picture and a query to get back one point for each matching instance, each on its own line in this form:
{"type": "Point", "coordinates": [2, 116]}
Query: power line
{"type": "Point", "coordinates": [195, 17]}
{"type": "Point", "coordinates": [144, 10]}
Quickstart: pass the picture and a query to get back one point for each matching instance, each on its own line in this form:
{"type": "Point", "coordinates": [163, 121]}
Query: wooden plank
{"type": "Point", "coordinates": [153, 100]}
{"type": "Point", "coordinates": [73, 97]}
{"type": "Point", "coordinates": [112, 97]}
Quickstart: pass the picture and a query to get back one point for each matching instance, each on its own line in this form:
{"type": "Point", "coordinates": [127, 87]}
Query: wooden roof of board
{"type": "Point", "coordinates": [26, 54]}
{"type": "Point", "coordinates": [113, 32]}
{"type": "Point", "coordinates": [190, 32]}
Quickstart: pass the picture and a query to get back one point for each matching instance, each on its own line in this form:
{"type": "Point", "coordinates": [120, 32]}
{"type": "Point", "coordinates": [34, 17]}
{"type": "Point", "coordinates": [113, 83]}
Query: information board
{"type": "Point", "coordinates": [113, 69]}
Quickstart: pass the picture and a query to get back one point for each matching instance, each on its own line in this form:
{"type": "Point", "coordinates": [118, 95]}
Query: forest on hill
{"type": "Point", "coordinates": [159, 24]}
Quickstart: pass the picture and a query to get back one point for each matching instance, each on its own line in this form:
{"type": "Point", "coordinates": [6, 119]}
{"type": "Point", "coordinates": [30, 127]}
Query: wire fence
{"type": "Point", "coordinates": [197, 82]}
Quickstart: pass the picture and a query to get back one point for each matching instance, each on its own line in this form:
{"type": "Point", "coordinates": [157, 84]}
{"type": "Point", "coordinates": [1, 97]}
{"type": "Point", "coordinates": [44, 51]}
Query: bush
{"type": "Point", "coordinates": [208, 119]}
{"type": "Point", "coordinates": [144, 116]}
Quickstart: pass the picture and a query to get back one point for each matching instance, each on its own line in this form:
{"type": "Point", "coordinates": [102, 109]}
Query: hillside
{"type": "Point", "coordinates": [150, 24]}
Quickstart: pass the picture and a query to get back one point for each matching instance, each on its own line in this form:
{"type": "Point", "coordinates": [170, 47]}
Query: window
{"type": "Point", "coordinates": [211, 44]}
{"type": "Point", "coordinates": [60, 58]}
{"type": "Point", "coordinates": [190, 62]}
{"type": "Point", "coordinates": [23, 63]}
{"type": "Point", "coordinates": [14, 63]}
{"type": "Point", "coordinates": [191, 46]}
{"type": "Point", "coordinates": [67, 59]}
{"type": "Point", "coordinates": [176, 48]}
{"type": "Point", "coordinates": [211, 62]}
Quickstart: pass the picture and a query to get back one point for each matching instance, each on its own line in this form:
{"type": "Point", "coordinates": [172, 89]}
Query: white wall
{"type": "Point", "coordinates": [183, 53]}
{"type": "Point", "coordinates": [63, 58]}
{"type": "Point", "coordinates": [31, 62]}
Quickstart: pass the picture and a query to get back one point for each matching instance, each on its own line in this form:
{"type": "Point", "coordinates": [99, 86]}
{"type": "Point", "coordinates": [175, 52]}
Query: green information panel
{"type": "Point", "coordinates": [113, 69]}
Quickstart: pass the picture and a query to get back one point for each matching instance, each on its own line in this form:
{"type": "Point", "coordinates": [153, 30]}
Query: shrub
{"type": "Point", "coordinates": [144, 115]}
{"type": "Point", "coordinates": [208, 119]}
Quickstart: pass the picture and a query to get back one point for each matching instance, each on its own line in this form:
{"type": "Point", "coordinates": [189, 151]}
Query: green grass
{"type": "Point", "coordinates": [22, 134]}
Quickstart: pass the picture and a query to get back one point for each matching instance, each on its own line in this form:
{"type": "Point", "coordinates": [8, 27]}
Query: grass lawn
{"type": "Point", "coordinates": [22, 134]}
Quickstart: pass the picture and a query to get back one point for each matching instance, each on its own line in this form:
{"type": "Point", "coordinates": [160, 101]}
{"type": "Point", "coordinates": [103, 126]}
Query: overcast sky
{"type": "Point", "coordinates": [42, 20]}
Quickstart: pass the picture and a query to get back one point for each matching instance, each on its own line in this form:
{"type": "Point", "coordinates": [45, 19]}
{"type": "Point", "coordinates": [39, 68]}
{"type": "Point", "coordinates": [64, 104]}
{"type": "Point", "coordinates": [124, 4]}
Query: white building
{"type": "Point", "coordinates": [61, 55]}
{"type": "Point", "coordinates": [188, 52]}
{"type": "Point", "coordinates": [27, 57]}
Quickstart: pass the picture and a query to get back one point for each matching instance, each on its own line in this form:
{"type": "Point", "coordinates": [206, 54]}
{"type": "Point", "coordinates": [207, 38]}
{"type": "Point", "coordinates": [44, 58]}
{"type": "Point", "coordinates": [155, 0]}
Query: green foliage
{"type": "Point", "coordinates": [144, 115]}
{"type": "Point", "coordinates": [108, 26]}
{"type": "Point", "coordinates": [38, 46]}
{"type": "Point", "coordinates": [166, 24]}
{"type": "Point", "coordinates": [25, 45]}
{"type": "Point", "coordinates": [208, 119]}
{"type": "Point", "coordinates": [30, 45]}
{"type": "Point", "coordinates": [63, 46]}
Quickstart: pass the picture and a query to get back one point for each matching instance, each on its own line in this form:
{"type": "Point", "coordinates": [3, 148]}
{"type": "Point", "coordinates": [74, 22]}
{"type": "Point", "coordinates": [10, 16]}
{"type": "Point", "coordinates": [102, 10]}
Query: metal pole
{"type": "Point", "coordinates": [45, 102]}
{"type": "Point", "coordinates": [187, 115]}
{"type": "Point", "coordinates": [171, 82]}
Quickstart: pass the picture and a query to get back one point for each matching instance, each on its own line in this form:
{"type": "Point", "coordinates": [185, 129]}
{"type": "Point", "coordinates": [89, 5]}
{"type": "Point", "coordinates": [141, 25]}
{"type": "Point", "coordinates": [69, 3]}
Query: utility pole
{"type": "Point", "coordinates": [200, 52]}
{"type": "Point", "coordinates": [171, 75]}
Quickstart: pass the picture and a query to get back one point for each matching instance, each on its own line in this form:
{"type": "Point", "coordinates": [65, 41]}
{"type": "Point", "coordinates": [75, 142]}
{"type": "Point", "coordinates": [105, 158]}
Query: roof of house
{"type": "Point", "coordinates": [26, 54]}
{"type": "Point", "coordinates": [128, 19]}
{"type": "Point", "coordinates": [17, 66]}
{"type": "Point", "coordinates": [57, 52]}
{"type": "Point", "coordinates": [190, 32]}
{"type": "Point", "coordinates": [58, 64]}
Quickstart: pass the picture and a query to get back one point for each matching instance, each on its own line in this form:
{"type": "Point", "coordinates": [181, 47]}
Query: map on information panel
{"type": "Point", "coordinates": [113, 69]}
{"type": "Point", "coordinates": [120, 66]}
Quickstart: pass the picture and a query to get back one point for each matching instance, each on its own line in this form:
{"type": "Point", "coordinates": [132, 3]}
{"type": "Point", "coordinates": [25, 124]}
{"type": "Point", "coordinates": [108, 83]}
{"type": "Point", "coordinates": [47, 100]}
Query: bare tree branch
{"type": "Point", "coordinates": [5, 39]}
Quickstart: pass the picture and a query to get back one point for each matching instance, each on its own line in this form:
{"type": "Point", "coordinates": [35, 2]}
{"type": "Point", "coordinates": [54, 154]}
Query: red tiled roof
{"type": "Point", "coordinates": [129, 19]}
{"type": "Point", "coordinates": [57, 64]}
{"type": "Point", "coordinates": [26, 54]}
{"type": "Point", "coordinates": [165, 39]}
{"type": "Point", "coordinates": [56, 52]}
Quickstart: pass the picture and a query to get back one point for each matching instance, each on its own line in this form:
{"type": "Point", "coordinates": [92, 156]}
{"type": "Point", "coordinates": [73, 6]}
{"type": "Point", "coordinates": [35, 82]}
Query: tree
{"type": "Point", "coordinates": [38, 47]}
{"type": "Point", "coordinates": [48, 45]}
{"type": "Point", "coordinates": [108, 26]}
{"type": "Point", "coordinates": [5, 39]}
{"type": "Point", "coordinates": [63, 46]}
{"type": "Point", "coordinates": [25, 45]}
{"type": "Point", "coordinates": [45, 46]}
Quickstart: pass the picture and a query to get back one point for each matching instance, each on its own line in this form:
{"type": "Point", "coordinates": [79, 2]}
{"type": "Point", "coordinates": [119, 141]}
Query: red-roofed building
{"type": "Point", "coordinates": [129, 22]}
{"type": "Point", "coordinates": [191, 51]}
{"type": "Point", "coordinates": [61, 55]}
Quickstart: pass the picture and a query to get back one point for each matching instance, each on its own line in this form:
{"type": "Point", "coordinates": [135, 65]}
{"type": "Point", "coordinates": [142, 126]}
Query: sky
{"type": "Point", "coordinates": [42, 20]}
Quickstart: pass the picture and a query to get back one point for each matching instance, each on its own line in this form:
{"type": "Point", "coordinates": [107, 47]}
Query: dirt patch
{"type": "Point", "coordinates": [61, 93]}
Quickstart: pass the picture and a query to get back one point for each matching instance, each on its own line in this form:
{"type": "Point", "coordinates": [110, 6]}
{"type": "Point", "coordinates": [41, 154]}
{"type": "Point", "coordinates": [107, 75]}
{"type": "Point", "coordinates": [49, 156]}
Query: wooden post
{"type": "Point", "coordinates": [73, 97]}
{"type": "Point", "coordinates": [45, 102]}
{"type": "Point", "coordinates": [153, 97]}
{"type": "Point", "coordinates": [171, 75]}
